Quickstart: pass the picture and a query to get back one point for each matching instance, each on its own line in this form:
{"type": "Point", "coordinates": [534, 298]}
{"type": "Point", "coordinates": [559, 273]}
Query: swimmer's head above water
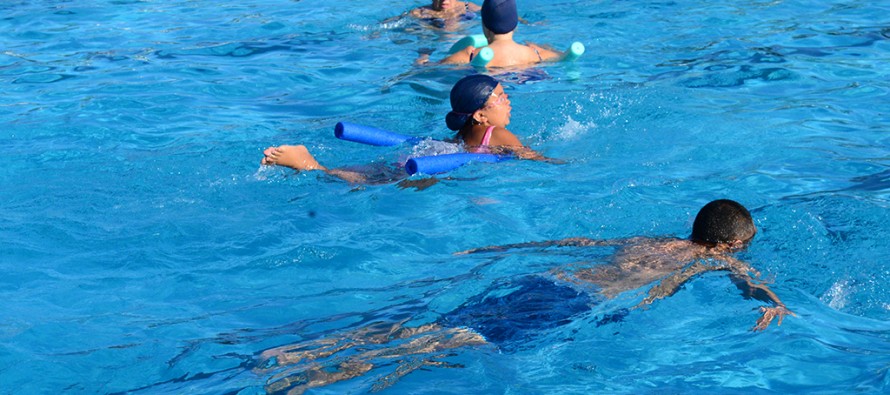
{"type": "Point", "coordinates": [500, 16]}
{"type": "Point", "coordinates": [468, 96]}
{"type": "Point", "coordinates": [723, 222]}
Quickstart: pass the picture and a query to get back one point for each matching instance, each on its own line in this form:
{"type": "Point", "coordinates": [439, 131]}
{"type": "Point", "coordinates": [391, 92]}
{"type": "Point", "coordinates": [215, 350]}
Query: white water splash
{"type": "Point", "coordinates": [572, 129]}
{"type": "Point", "coordinates": [838, 295]}
{"type": "Point", "coordinates": [429, 147]}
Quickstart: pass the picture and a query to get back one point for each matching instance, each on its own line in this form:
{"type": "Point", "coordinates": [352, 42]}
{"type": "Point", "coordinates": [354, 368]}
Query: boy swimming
{"type": "Point", "coordinates": [515, 310]}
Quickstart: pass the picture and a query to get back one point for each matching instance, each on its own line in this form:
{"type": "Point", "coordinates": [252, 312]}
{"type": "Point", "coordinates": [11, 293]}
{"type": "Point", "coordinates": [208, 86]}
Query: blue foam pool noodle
{"type": "Point", "coordinates": [447, 162]}
{"type": "Point", "coordinates": [370, 135]}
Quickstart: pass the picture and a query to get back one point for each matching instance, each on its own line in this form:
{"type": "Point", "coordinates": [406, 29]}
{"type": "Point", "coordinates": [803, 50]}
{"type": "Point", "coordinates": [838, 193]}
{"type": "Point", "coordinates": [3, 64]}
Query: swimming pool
{"type": "Point", "coordinates": [144, 250]}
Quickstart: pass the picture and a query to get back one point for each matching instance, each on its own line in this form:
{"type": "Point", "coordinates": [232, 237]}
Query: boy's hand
{"type": "Point", "coordinates": [768, 314]}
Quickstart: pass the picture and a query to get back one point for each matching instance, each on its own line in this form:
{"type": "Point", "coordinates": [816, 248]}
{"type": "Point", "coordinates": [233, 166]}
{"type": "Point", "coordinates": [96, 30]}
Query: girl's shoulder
{"type": "Point", "coordinates": [502, 136]}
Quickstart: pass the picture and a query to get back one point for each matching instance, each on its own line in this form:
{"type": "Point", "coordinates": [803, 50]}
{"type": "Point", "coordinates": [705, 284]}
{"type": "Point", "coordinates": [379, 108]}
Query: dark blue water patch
{"type": "Point", "coordinates": [718, 57]}
{"type": "Point", "coordinates": [767, 56]}
{"type": "Point", "coordinates": [20, 69]}
{"type": "Point", "coordinates": [863, 38]}
{"type": "Point", "coordinates": [534, 74]}
{"type": "Point", "coordinates": [610, 15]}
{"type": "Point", "coordinates": [738, 77]}
{"type": "Point", "coordinates": [246, 49]}
{"type": "Point", "coordinates": [109, 58]}
{"type": "Point", "coordinates": [42, 78]}
{"type": "Point", "coordinates": [273, 26]}
{"type": "Point", "coordinates": [873, 182]}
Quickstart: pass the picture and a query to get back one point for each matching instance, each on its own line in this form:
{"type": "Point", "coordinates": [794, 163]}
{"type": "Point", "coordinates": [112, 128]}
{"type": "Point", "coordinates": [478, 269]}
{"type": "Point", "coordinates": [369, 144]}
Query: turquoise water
{"type": "Point", "coordinates": [144, 250]}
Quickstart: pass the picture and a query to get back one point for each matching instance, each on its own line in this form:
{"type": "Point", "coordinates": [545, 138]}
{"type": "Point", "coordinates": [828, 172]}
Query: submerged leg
{"type": "Point", "coordinates": [372, 344]}
{"type": "Point", "coordinates": [318, 376]}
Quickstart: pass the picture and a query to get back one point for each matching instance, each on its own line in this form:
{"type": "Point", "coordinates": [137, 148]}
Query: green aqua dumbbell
{"type": "Point", "coordinates": [574, 52]}
{"type": "Point", "coordinates": [475, 41]}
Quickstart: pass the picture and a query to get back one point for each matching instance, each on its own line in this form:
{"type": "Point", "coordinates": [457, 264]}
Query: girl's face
{"type": "Point", "coordinates": [497, 108]}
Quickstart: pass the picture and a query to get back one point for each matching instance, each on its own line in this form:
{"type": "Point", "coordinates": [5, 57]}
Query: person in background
{"type": "Point", "coordinates": [499, 21]}
{"type": "Point", "coordinates": [446, 14]}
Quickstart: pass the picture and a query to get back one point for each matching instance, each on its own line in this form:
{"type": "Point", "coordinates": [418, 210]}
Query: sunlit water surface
{"type": "Point", "coordinates": [144, 249]}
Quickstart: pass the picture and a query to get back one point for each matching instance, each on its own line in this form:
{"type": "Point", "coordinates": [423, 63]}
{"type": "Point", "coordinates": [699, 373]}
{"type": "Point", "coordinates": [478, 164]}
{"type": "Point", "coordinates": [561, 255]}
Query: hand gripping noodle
{"type": "Point", "coordinates": [447, 162]}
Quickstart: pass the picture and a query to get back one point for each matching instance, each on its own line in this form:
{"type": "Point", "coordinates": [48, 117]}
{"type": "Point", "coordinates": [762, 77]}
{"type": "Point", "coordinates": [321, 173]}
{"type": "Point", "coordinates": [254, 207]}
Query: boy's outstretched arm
{"type": "Point", "coordinates": [672, 283]}
{"type": "Point", "coordinates": [569, 242]}
{"type": "Point", "coordinates": [754, 290]}
{"type": "Point", "coordinates": [739, 274]}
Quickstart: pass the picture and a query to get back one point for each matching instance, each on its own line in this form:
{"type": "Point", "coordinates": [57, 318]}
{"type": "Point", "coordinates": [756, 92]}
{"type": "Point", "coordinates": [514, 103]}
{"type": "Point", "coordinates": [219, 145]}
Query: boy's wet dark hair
{"type": "Point", "coordinates": [723, 221]}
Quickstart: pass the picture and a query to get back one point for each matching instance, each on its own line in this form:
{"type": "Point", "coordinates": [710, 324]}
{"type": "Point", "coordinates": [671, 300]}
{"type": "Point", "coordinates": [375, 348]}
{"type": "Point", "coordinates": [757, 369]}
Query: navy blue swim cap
{"type": "Point", "coordinates": [468, 95]}
{"type": "Point", "coordinates": [499, 16]}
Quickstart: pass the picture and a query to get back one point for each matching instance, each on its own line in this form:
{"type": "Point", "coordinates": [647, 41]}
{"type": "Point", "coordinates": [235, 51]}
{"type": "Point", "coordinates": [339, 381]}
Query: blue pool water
{"type": "Point", "coordinates": [144, 250]}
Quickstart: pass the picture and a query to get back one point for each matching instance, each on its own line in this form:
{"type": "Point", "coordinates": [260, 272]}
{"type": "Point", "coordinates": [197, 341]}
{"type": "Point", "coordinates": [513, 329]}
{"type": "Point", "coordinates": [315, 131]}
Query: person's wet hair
{"type": "Point", "coordinates": [723, 221]}
{"type": "Point", "coordinates": [468, 95]}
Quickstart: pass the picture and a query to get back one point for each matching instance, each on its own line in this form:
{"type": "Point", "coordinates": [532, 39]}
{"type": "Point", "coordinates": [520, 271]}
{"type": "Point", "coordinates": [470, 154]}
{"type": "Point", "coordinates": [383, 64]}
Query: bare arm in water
{"type": "Point", "coordinates": [739, 273]}
{"type": "Point", "coordinates": [569, 242]}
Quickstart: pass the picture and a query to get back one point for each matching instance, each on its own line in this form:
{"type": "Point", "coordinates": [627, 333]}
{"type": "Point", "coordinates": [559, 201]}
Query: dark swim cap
{"type": "Point", "coordinates": [468, 95]}
{"type": "Point", "coordinates": [723, 221]}
{"type": "Point", "coordinates": [499, 16]}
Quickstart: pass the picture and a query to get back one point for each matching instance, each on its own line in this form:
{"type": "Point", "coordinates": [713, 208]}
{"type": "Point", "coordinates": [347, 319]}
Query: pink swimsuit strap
{"type": "Point", "coordinates": [487, 137]}
{"type": "Point", "coordinates": [483, 146]}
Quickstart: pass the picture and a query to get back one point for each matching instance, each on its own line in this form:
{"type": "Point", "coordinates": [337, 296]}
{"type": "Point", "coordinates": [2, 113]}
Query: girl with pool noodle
{"type": "Point", "coordinates": [480, 114]}
{"type": "Point", "coordinates": [423, 164]}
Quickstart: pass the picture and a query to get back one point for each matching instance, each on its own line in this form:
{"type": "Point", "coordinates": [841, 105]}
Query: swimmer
{"type": "Point", "coordinates": [515, 310]}
{"type": "Point", "coordinates": [446, 14]}
{"type": "Point", "coordinates": [480, 114]}
{"type": "Point", "coordinates": [721, 228]}
{"type": "Point", "coordinates": [499, 21]}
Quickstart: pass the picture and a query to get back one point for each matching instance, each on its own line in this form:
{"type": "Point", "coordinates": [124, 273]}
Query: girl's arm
{"type": "Point", "coordinates": [501, 137]}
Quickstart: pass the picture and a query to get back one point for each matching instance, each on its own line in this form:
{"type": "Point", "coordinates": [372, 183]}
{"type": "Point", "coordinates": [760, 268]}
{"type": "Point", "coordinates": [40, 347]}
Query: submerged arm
{"type": "Point", "coordinates": [740, 277]}
{"type": "Point", "coordinates": [754, 290]}
{"type": "Point", "coordinates": [672, 283]}
{"type": "Point", "coordinates": [569, 242]}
